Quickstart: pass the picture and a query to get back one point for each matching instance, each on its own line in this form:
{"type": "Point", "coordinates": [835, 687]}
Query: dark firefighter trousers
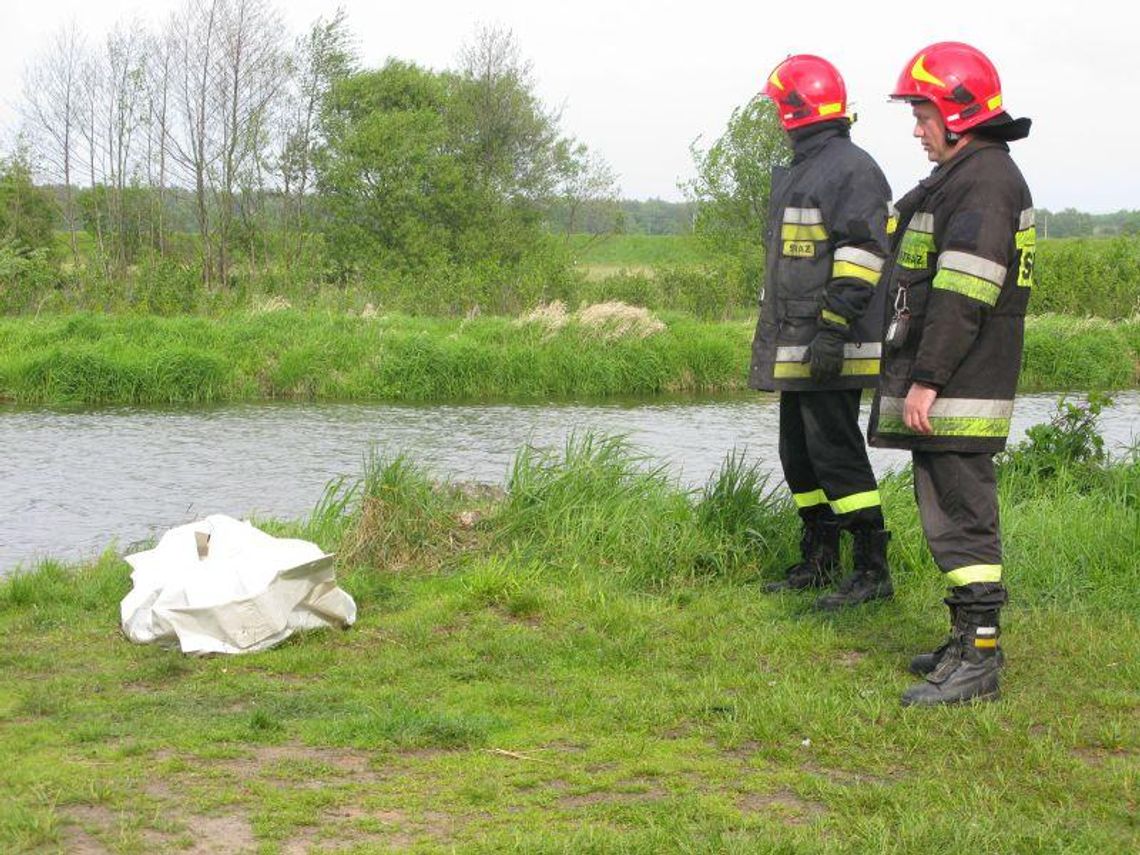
{"type": "Point", "coordinates": [957, 502]}
{"type": "Point", "coordinates": [825, 458]}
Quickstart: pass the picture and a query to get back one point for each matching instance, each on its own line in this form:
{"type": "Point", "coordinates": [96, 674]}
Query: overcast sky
{"type": "Point", "coordinates": [638, 81]}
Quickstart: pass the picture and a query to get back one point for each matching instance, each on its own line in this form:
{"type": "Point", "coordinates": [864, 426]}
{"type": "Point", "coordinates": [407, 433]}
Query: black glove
{"type": "Point", "coordinates": [825, 353]}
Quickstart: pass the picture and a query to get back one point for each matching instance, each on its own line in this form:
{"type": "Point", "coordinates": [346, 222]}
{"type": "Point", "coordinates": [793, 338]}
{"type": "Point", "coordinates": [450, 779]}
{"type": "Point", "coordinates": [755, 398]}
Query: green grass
{"type": "Point", "coordinates": [93, 359]}
{"type": "Point", "coordinates": [639, 250]}
{"type": "Point", "coordinates": [585, 664]}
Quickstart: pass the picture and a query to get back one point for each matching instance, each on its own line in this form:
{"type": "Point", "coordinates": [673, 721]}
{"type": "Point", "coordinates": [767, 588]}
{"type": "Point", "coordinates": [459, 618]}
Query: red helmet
{"type": "Point", "coordinates": [958, 79]}
{"type": "Point", "coordinates": [807, 89]}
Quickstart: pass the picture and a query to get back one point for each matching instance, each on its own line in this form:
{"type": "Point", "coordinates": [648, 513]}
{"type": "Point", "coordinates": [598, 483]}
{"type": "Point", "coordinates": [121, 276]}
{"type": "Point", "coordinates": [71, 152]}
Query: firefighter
{"type": "Point", "coordinates": [957, 290]}
{"type": "Point", "coordinates": [817, 340]}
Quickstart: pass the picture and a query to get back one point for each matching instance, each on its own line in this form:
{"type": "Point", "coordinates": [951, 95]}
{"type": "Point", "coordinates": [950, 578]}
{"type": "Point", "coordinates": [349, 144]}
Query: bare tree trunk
{"type": "Point", "coordinates": [51, 107]}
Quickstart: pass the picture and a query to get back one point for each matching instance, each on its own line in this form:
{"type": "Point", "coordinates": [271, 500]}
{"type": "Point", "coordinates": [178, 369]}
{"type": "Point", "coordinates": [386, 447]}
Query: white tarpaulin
{"type": "Point", "coordinates": [220, 585]}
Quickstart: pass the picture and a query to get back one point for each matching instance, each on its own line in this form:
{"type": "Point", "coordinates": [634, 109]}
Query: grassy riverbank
{"type": "Point", "coordinates": [598, 351]}
{"type": "Point", "coordinates": [584, 664]}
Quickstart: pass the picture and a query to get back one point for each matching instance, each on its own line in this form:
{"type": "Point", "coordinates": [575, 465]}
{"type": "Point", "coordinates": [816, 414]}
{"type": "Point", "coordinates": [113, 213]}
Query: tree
{"type": "Point", "coordinates": [27, 212]}
{"type": "Point", "coordinates": [734, 182]}
{"type": "Point", "coordinates": [393, 185]}
{"type": "Point", "coordinates": [510, 137]}
{"type": "Point", "coordinates": [320, 59]}
{"type": "Point", "coordinates": [52, 92]}
{"type": "Point", "coordinates": [588, 193]}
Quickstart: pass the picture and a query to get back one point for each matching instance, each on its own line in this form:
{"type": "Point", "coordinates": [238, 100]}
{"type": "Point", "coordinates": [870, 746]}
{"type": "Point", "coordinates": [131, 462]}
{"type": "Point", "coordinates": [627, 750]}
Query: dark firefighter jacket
{"type": "Point", "coordinates": [964, 253]}
{"type": "Point", "coordinates": [826, 244]}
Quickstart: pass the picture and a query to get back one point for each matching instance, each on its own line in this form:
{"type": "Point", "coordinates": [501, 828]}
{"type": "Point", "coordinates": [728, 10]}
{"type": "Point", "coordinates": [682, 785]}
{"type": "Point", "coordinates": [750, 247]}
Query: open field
{"type": "Point", "coordinates": [585, 664]}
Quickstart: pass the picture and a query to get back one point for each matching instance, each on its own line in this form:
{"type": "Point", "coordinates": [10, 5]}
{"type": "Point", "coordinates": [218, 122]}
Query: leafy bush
{"type": "Point", "coordinates": [27, 278]}
{"type": "Point", "coordinates": [1069, 440]}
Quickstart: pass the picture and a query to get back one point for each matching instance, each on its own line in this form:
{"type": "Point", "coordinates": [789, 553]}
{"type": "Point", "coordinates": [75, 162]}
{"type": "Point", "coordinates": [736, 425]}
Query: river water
{"type": "Point", "coordinates": [73, 483]}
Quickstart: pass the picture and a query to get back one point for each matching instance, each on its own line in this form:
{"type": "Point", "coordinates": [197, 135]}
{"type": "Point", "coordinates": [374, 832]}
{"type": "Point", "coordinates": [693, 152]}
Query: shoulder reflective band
{"type": "Point", "coordinates": [917, 242]}
{"type": "Point", "coordinates": [1026, 241]}
{"type": "Point", "coordinates": [856, 263]}
{"type": "Point", "coordinates": [833, 318]}
{"type": "Point", "coordinates": [809, 500]}
{"type": "Point", "coordinates": [860, 359]}
{"type": "Point", "coordinates": [981, 417]}
{"type": "Point", "coordinates": [803, 216]}
{"type": "Point", "coordinates": [970, 275]}
{"type": "Point", "coordinates": [974, 573]}
{"type": "Point", "coordinates": [856, 502]}
{"type": "Point", "coordinates": [892, 219]}
{"type": "Point", "coordinates": [803, 224]}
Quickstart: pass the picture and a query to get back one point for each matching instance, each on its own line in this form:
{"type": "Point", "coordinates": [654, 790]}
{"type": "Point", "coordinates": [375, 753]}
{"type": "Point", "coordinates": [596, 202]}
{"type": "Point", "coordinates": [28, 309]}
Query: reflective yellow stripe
{"type": "Point", "coordinates": [796, 231]}
{"type": "Point", "coordinates": [845, 268]}
{"type": "Point", "coordinates": [915, 249]}
{"type": "Point", "coordinates": [948, 426]}
{"type": "Point", "coordinates": [973, 287]}
{"type": "Point", "coordinates": [985, 642]}
{"type": "Point", "coordinates": [1026, 241]}
{"type": "Point", "coordinates": [833, 318]}
{"type": "Point", "coordinates": [830, 109]}
{"type": "Point", "coordinates": [972, 265]}
{"type": "Point", "coordinates": [851, 368]}
{"type": "Point", "coordinates": [809, 500]}
{"type": "Point", "coordinates": [974, 573]}
{"type": "Point", "coordinates": [856, 502]}
{"type": "Point", "coordinates": [892, 224]}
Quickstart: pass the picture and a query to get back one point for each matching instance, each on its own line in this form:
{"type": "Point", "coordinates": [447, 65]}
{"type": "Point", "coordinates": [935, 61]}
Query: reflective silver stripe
{"type": "Point", "coordinates": [1028, 218]}
{"type": "Point", "coordinates": [892, 211]}
{"type": "Point", "coordinates": [803, 216]}
{"type": "Point", "coordinates": [975, 408]}
{"type": "Point", "coordinates": [922, 222]}
{"type": "Point", "coordinates": [860, 257]}
{"type": "Point", "coordinates": [975, 265]}
{"type": "Point", "coordinates": [851, 350]}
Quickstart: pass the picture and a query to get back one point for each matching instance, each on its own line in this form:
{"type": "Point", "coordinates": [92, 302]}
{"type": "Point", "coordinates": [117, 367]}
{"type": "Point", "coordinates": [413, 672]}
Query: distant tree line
{"type": "Point", "coordinates": [1073, 223]}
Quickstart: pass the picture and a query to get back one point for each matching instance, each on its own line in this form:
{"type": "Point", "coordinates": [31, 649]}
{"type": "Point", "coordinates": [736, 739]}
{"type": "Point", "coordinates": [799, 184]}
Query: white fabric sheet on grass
{"type": "Point", "coordinates": [248, 590]}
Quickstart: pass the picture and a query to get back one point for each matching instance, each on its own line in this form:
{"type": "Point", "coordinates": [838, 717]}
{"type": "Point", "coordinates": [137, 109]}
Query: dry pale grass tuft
{"type": "Point", "coordinates": [551, 316]}
{"type": "Point", "coordinates": [276, 303]}
{"type": "Point", "coordinates": [618, 320]}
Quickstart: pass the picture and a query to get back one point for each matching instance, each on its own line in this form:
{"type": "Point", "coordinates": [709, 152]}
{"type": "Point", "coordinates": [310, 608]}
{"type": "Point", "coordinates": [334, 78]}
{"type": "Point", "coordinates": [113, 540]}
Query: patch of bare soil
{"type": "Point", "coordinates": [356, 764]}
{"type": "Point", "coordinates": [1100, 756]}
{"type": "Point", "coordinates": [81, 824]}
{"type": "Point", "coordinates": [598, 797]}
{"type": "Point", "coordinates": [843, 777]}
{"type": "Point", "coordinates": [742, 752]}
{"type": "Point", "coordinates": [229, 834]}
{"type": "Point", "coordinates": [788, 807]}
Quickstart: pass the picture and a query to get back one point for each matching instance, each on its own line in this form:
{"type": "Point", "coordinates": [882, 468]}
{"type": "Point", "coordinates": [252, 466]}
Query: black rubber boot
{"type": "Point", "coordinates": [925, 663]}
{"type": "Point", "coordinates": [871, 578]}
{"type": "Point", "coordinates": [968, 667]}
{"type": "Point", "coordinates": [819, 564]}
